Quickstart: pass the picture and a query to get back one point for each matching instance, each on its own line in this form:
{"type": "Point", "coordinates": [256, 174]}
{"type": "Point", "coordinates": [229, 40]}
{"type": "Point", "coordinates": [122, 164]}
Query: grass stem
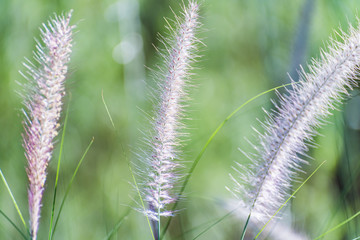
{"type": "Point", "coordinates": [58, 171]}
{"type": "Point", "coordinates": [13, 199]}
{"type": "Point", "coordinates": [197, 159]}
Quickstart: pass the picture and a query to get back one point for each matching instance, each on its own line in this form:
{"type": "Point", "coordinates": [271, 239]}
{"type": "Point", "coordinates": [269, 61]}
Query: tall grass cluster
{"type": "Point", "coordinates": [263, 179]}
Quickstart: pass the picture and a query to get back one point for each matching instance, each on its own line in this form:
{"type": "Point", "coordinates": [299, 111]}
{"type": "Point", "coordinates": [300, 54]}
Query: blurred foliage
{"type": "Point", "coordinates": [249, 46]}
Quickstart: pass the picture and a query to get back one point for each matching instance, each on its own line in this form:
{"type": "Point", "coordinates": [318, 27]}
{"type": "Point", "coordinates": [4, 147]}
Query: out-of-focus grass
{"type": "Point", "coordinates": [249, 47]}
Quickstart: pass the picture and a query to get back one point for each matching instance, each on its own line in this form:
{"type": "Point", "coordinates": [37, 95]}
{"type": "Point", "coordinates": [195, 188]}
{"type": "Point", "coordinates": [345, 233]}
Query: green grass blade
{"type": "Point", "coordinates": [58, 171]}
{"type": "Point", "coordinates": [339, 225]}
{"type": "Point", "coordinates": [13, 199]}
{"type": "Point", "coordinates": [247, 221]}
{"type": "Point", "coordinates": [245, 227]}
{"type": "Point", "coordinates": [215, 223]}
{"type": "Point", "coordinates": [69, 186]}
{"type": "Point", "coordinates": [107, 109]}
{"type": "Point", "coordinates": [283, 205]}
{"type": "Point", "coordinates": [118, 224]}
{"type": "Point", "coordinates": [348, 186]}
{"type": "Point", "coordinates": [197, 159]}
{"type": "Point", "coordinates": [193, 229]}
{"type": "Point", "coordinates": [142, 202]}
{"type": "Point", "coordinates": [14, 225]}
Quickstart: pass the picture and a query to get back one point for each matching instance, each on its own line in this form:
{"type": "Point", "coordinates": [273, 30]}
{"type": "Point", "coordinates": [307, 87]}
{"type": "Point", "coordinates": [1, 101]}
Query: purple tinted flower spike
{"type": "Point", "coordinates": [167, 126]}
{"type": "Point", "coordinates": [289, 130]}
{"type": "Point", "coordinates": [43, 100]}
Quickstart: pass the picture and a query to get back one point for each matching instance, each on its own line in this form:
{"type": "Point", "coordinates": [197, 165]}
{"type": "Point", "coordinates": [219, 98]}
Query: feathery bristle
{"type": "Point", "coordinates": [289, 130]}
{"type": "Point", "coordinates": [43, 101]}
{"type": "Point", "coordinates": [167, 127]}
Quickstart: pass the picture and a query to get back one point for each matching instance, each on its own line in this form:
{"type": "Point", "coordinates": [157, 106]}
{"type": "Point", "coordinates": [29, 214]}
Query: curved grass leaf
{"type": "Point", "coordinates": [283, 205]}
{"type": "Point", "coordinates": [339, 225]}
{"type": "Point", "coordinates": [193, 229]}
{"type": "Point", "coordinates": [13, 199]}
{"type": "Point", "coordinates": [247, 221]}
{"type": "Point", "coordinates": [118, 224]}
{"type": "Point", "coordinates": [107, 109]}
{"type": "Point", "coordinates": [197, 159]}
{"type": "Point", "coordinates": [58, 171]}
{"type": "Point", "coordinates": [14, 225]}
{"type": "Point", "coordinates": [215, 223]}
{"type": "Point", "coordinates": [142, 202]}
{"type": "Point", "coordinates": [69, 186]}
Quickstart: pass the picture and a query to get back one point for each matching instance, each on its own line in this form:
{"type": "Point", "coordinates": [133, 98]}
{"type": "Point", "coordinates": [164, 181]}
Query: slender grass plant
{"type": "Point", "coordinates": [166, 137]}
{"type": "Point", "coordinates": [264, 185]}
{"type": "Point", "coordinates": [262, 188]}
{"type": "Point", "coordinates": [43, 101]}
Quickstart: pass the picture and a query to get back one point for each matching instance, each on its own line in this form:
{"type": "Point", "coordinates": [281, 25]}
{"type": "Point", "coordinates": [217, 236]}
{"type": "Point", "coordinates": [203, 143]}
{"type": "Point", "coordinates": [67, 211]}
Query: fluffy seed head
{"type": "Point", "coordinates": [290, 128]}
{"type": "Point", "coordinates": [167, 127]}
{"type": "Point", "coordinates": [43, 101]}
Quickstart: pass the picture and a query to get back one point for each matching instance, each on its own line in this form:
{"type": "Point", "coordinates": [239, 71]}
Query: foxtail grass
{"type": "Point", "coordinates": [264, 185]}
{"type": "Point", "coordinates": [43, 100]}
{"type": "Point", "coordinates": [167, 128]}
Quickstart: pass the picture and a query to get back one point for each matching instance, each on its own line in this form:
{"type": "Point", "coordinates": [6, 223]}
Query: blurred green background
{"type": "Point", "coordinates": [251, 45]}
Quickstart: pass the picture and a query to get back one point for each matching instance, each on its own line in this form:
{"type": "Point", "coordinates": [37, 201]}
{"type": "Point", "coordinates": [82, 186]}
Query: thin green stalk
{"type": "Point", "coordinates": [339, 225]}
{"type": "Point", "coordinates": [69, 186]}
{"type": "Point", "coordinates": [13, 200]}
{"type": "Point", "coordinates": [13, 224]}
{"type": "Point", "coordinates": [107, 109]}
{"type": "Point", "coordinates": [159, 224]}
{"type": "Point", "coordinates": [197, 159]}
{"type": "Point", "coordinates": [142, 202]}
{"type": "Point", "coordinates": [191, 230]}
{"type": "Point", "coordinates": [245, 227]}
{"type": "Point", "coordinates": [247, 221]}
{"type": "Point", "coordinates": [58, 171]}
{"type": "Point", "coordinates": [216, 222]}
{"type": "Point", "coordinates": [118, 224]}
{"type": "Point", "coordinates": [292, 195]}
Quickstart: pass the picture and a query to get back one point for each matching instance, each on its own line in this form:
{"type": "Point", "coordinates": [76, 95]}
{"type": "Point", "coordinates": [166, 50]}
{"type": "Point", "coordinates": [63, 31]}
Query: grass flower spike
{"type": "Point", "coordinates": [291, 127]}
{"type": "Point", "coordinates": [43, 102]}
{"type": "Point", "coordinates": [167, 126]}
